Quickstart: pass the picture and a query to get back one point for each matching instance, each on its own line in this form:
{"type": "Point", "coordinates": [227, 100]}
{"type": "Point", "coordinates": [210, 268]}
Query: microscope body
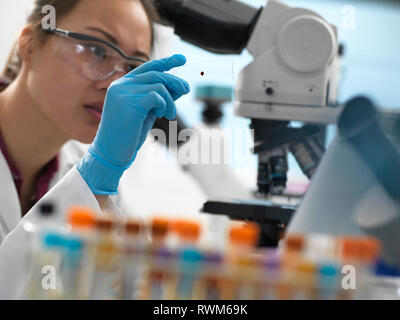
{"type": "Point", "coordinates": [295, 71]}
{"type": "Point", "coordinates": [293, 77]}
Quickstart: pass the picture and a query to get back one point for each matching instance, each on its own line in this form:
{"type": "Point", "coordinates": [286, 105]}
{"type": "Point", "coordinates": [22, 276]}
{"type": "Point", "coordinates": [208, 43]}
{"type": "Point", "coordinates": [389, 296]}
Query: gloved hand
{"type": "Point", "coordinates": [131, 107]}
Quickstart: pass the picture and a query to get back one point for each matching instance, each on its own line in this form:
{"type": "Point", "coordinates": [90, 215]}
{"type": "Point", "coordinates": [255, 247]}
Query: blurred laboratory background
{"type": "Point", "coordinates": [368, 32]}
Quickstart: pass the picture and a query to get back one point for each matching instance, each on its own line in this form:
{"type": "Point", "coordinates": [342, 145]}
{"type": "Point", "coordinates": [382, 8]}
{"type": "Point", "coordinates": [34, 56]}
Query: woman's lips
{"type": "Point", "coordinates": [95, 111]}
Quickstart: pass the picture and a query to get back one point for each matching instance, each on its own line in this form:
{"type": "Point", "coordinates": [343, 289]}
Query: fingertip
{"type": "Point", "coordinates": [188, 89]}
{"type": "Point", "coordinates": [178, 59]}
{"type": "Point", "coordinates": [184, 86]}
{"type": "Point", "coordinates": [171, 117]}
{"type": "Point", "coordinates": [170, 113]}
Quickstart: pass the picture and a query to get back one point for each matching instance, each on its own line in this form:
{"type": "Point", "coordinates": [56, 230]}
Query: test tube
{"type": "Point", "coordinates": [266, 288]}
{"type": "Point", "coordinates": [133, 259]}
{"type": "Point", "coordinates": [82, 221]}
{"type": "Point", "coordinates": [106, 279]}
{"type": "Point", "coordinates": [159, 230]}
{"type": "Point", "coordinates": [187, 232]}
{"type": "Point", "coordinates": [361, 253]}
{"type": "Point", "coordinates": [41, 255]}
{"type": "Point", "coordinates": [161, 274]}
{"type": "Point", "coordinates": [247, 289]}
{"type": "Point", "coordinates": [207, 286]}
{"type": "Point", "coordinates": [71, 267]}
{"type": "Point", "coordinates": [293, 249]}
{"type": "Point", "coordinates": [329, 281]}
{"type": "Point", "coordinates": [304, 282]}
{"type": "Point", "coordinates": [180, 284]}
{"type": "Point", "coordinates": [190, 262]}
{"type": "Point", "coordinates": [152, 284]}
{"type": "Point", "coordinates": [242, 240]}
{"type": "Point", "coordinates": [49, 255]}
{"type": "Point", "coordinates": [299, 265]}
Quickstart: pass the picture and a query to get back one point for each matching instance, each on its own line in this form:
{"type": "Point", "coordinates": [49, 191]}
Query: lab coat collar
{"type": "Point", "coordinates": [70, 154]}
{"type": "Point", "coordinates": [10, 208]}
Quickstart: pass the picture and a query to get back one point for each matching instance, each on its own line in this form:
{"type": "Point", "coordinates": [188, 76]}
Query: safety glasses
{"type": "Point", "coordinates": [94, 58]}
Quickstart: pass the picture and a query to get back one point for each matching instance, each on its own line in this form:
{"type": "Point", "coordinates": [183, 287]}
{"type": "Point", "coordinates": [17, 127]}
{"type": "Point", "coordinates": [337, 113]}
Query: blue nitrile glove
{"type": "Point", "coordinates": [131, 107]}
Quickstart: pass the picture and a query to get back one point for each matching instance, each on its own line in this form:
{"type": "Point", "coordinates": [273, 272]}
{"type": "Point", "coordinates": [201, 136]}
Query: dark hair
{"type": "Point", "coordinates": [62, 7]}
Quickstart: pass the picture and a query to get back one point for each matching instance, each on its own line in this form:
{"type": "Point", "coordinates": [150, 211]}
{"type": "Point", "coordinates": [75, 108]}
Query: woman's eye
{"type": "Point", "coordinates": [130, 67]}
{"type": "Point", "coordinates": [98, 51]}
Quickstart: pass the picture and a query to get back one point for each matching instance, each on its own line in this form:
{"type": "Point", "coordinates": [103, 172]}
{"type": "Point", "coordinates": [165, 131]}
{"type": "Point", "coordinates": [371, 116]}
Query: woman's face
{"type": "Point", "coordinates": [62, 95]}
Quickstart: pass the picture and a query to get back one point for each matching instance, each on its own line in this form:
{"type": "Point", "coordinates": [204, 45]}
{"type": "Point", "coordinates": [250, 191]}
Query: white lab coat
{"type": "Point", "coordinates": [67, 188]}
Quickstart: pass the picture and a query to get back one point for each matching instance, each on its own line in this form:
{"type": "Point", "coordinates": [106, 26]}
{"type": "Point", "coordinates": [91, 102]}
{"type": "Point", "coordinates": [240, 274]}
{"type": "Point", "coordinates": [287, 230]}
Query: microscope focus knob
{"type": "Point", "coordinates": [307, 43]}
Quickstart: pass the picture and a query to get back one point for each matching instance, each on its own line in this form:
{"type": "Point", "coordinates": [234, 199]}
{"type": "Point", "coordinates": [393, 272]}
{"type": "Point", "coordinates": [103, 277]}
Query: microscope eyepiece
{"type": "Point", "coordinates": [218, 26]}
{"type": "Point", "coordinates": [168, 9]}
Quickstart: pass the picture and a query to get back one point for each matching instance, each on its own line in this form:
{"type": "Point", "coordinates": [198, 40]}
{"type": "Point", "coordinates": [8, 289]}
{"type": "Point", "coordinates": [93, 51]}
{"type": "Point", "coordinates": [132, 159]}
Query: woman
{"type": "Point", "coordinates": [88, 80]}
{"type": "Point", "coordinates": [58, 91]}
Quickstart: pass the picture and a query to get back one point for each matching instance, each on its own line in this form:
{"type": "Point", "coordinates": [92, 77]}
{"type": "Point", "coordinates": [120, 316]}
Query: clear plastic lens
{"type": "Point", "coordinates": [93, 60]}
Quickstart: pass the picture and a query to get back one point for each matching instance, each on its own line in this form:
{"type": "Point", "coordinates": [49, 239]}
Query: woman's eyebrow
{"type": "Point", "coordinates": [113, 40]}
{"type": "Point", "coordinates": [104, 33]}
{"type": "Point", "coordinates": [141, 54]}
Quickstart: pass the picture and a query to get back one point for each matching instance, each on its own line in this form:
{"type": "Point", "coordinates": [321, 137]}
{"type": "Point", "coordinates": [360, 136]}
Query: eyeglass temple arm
{"type": "Point", "coordinates": [85, 37]}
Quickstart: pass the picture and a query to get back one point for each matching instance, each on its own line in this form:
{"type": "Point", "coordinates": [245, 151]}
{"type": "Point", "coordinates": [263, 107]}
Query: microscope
{"type": "Point", "coordinates": [293, 77]}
